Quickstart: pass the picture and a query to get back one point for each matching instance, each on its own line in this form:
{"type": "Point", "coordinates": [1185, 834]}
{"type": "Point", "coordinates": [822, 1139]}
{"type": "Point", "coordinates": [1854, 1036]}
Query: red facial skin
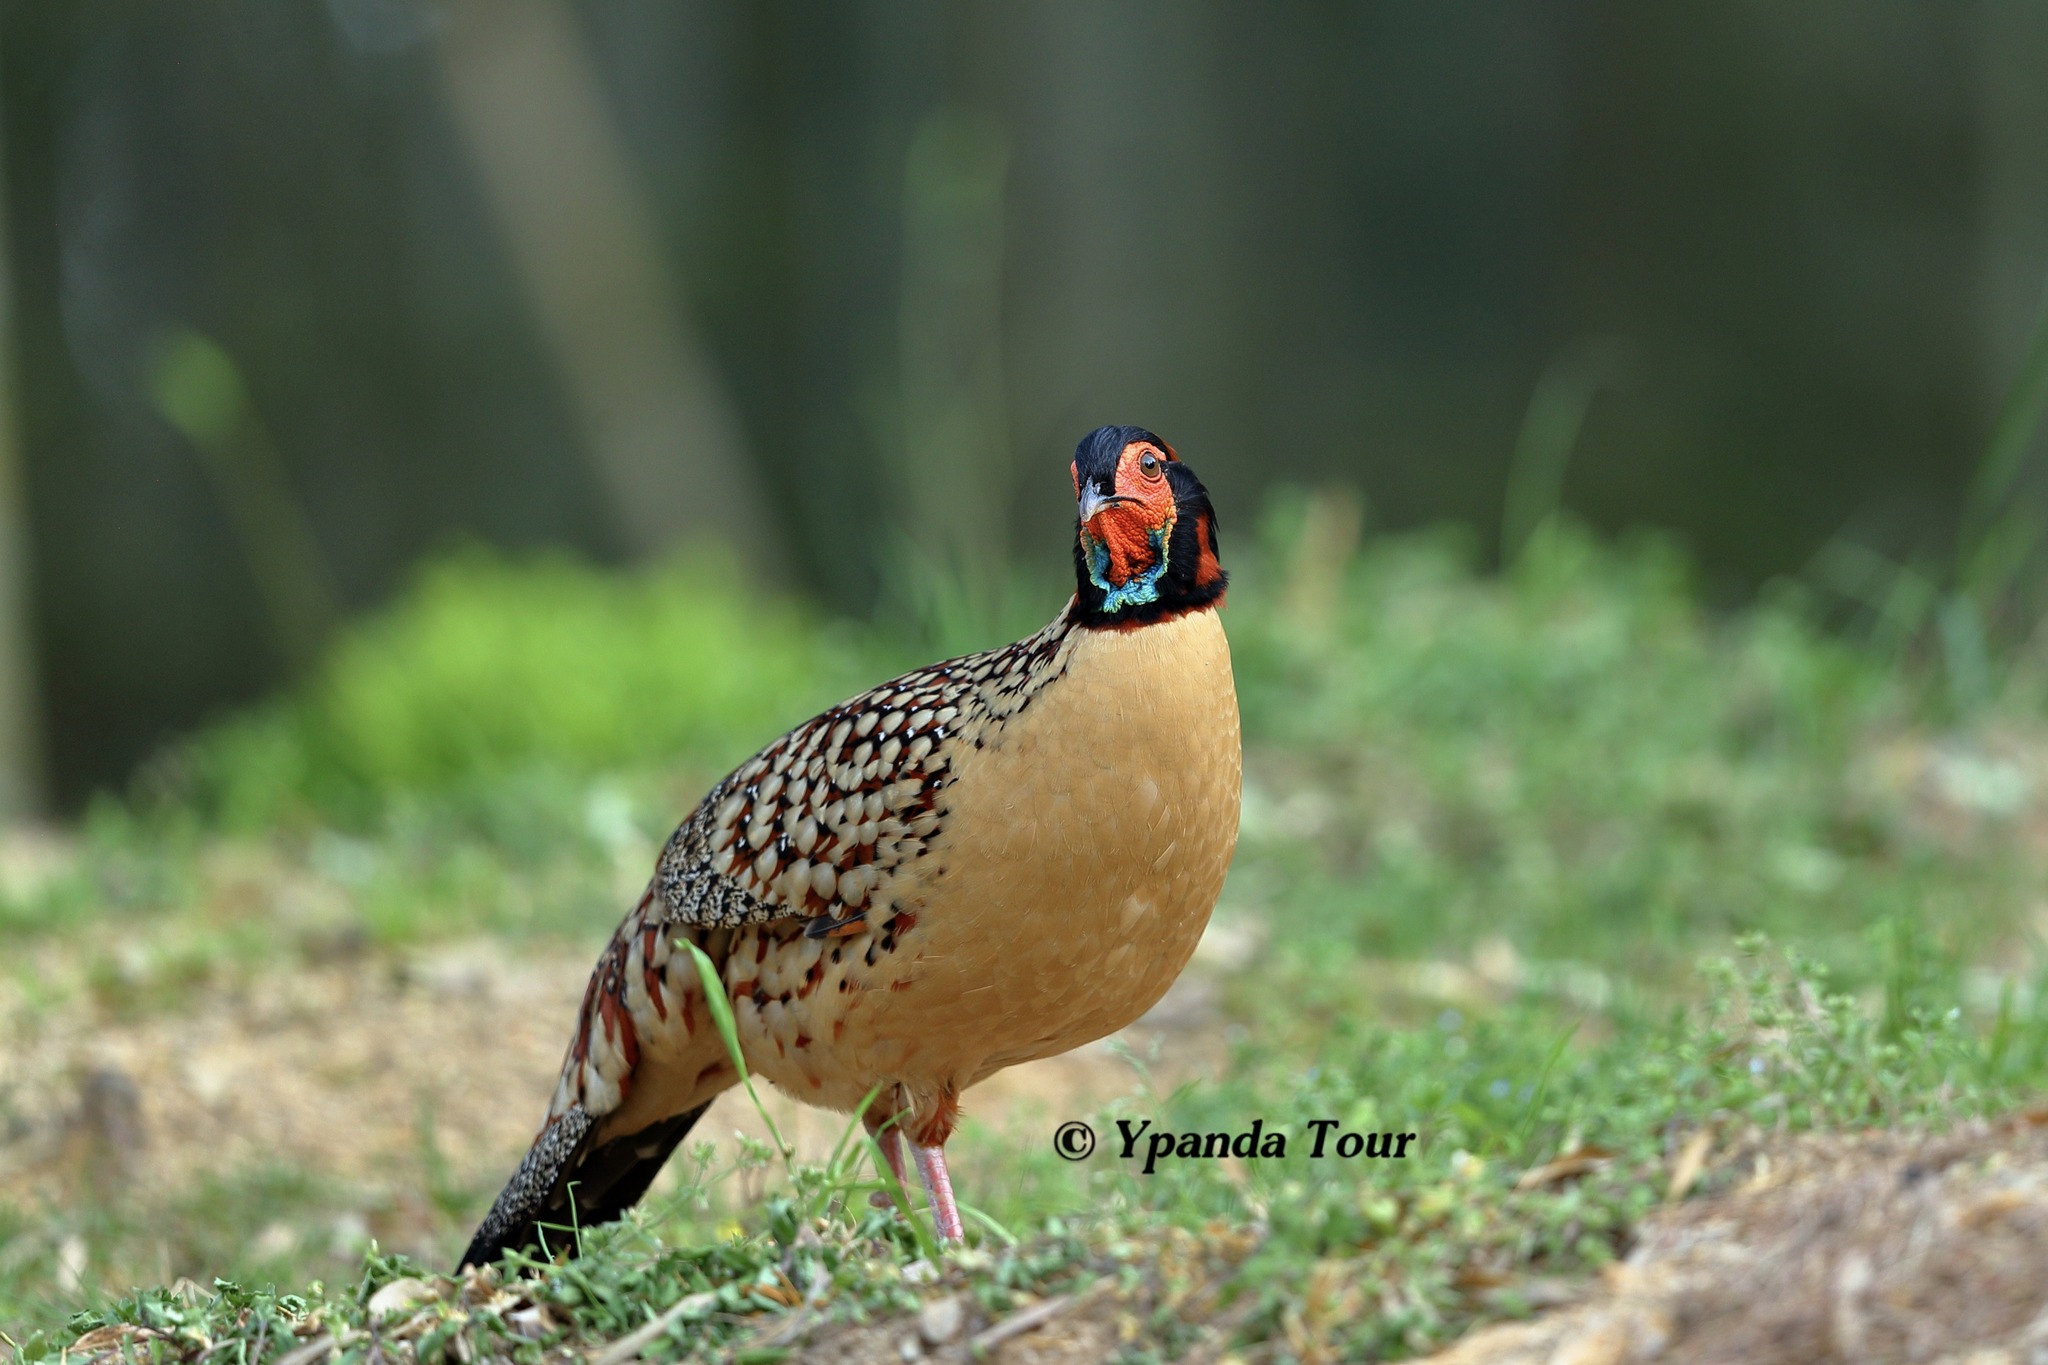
{"type": "Point", "coordinates": [1125, 528]}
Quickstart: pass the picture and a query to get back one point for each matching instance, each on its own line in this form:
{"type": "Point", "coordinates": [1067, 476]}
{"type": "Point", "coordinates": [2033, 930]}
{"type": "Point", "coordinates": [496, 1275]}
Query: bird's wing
{"type": "Point", "coordinates": [817, 824]}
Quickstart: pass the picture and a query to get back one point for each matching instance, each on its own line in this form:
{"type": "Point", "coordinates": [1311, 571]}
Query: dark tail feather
{"type": "Point", "coordinates": [565, 1181]}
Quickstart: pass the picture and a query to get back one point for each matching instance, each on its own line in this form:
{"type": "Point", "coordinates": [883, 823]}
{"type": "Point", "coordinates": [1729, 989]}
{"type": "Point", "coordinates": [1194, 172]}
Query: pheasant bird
{"type": "Point", "coordinates": [990, 860]}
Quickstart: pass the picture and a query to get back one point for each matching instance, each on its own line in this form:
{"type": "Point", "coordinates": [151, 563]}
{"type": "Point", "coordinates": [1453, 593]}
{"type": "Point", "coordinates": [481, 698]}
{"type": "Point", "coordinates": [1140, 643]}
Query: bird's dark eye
{"type": "Point", "coordinates": [1148, 465]}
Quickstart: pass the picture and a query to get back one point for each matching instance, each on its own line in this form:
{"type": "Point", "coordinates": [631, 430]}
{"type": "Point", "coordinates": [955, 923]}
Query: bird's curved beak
{"type": "Point", "coordinates": [1094, 502]}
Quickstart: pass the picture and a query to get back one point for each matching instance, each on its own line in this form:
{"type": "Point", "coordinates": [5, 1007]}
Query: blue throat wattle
{"type": "Point", "coordinates": [1138, 590]}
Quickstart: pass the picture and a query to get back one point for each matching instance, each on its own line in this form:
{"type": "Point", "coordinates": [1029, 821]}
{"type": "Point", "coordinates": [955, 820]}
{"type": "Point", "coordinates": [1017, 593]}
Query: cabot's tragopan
{"type": "Point", "coordinates": [989, 860]}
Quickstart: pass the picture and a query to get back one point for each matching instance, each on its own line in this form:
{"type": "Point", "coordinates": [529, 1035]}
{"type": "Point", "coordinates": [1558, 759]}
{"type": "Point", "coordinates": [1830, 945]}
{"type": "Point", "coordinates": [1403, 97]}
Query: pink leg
{"type": "Point", "coordinates": [938, 1187]}
{"type": "Point", "coordinates": [891, 1143]}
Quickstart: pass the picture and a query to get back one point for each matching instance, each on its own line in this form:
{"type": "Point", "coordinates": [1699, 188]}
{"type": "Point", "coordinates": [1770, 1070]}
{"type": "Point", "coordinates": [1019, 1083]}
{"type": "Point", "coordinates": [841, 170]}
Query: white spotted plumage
{"type": "Point", "coordinates": [813, 825]}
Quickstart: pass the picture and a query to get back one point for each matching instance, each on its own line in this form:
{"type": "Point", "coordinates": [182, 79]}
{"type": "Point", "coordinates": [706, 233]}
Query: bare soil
{"type": "Point", "coordinates": [1869, 1247]}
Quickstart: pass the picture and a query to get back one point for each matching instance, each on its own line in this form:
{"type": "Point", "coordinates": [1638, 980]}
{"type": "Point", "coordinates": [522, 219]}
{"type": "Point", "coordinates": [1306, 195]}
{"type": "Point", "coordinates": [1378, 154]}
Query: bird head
{"type": "Point", "coordinates": [1145, 542]}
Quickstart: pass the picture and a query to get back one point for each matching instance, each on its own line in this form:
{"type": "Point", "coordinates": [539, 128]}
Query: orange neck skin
{"type": "Point", "coordinates": [1138, 560]}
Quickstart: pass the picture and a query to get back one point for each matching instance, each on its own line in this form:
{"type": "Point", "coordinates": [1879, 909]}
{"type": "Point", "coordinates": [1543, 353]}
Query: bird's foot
{"type": "Point", "coordinates": [938, 1187]}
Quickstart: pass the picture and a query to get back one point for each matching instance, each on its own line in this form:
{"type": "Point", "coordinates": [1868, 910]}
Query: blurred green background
{"type": "Point", "coordinates": [299, 293]}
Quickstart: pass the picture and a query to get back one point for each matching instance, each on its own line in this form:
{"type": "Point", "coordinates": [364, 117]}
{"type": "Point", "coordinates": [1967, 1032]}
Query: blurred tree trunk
{"type": "Point", "coordinates": [21, 768]}
{"type": "Point", "coordinates": [2013, 188]}
{"type": "Point", "coordinates": [955, 473]}
{"type": "Point", "coordinates": [654, 414]}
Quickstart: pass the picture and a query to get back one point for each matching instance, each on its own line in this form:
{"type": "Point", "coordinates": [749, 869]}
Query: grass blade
{"type": "Point", "coordinates": [927, 1243]}
{"type": "Point", "coordinates": [721, 1015]}
{"type": "Point", "coordinates": [1534, 1108]}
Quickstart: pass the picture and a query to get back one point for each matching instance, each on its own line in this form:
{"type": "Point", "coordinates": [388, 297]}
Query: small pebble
{"type": "Point", "coordinates": [941, 1321]}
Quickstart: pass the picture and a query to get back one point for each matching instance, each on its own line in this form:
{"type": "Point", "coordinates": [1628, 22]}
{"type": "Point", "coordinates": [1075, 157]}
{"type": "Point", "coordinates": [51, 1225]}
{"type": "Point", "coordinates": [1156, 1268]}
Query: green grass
{"type": "Point", "coordinates": [1507, 846]}
{"type": "Point", "coordinates": [1432, 1243]}
{"type": "Point", "coordinates": [1579, 760]}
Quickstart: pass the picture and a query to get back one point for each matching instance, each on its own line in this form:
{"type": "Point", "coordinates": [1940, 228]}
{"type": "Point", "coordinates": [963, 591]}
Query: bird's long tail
{"type": "Point", "coordinates": [644, 1064]}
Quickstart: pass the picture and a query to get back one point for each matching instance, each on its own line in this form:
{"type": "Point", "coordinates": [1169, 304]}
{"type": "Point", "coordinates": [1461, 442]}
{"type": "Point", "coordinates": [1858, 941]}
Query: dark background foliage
{"type": "Point", "coordinates": [896, 257]}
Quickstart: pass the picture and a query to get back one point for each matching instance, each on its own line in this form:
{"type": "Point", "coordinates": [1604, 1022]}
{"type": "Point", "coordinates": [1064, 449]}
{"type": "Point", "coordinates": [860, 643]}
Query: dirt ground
{"type": "Point", "coordinates": [1871, 1247]}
